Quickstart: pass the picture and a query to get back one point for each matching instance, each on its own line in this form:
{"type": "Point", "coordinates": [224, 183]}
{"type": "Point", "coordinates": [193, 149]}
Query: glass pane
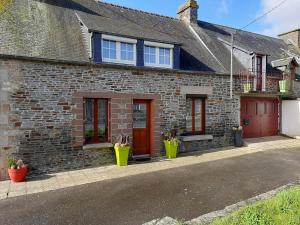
{"type": "Point", "coordinates": [150, 55]}
{"type": "Point", "coordinates": [140, 115]}
{"type": "Point", "coordinates": [152, 59]}
{"type": "Point", "coordinates": [123, 55]}
{"type": "Point", "coordinates": [89, 120]}
{"type": "Point", "coordinates": [102, 120]}
{"type": "Point", "coordinates": [189, 118]}
{"type": "Point", "coordinates": [198, 114]}
{"type": "Point", "coordinates": [112, 45]}
{"type": "Point", "coordinates": [130, 56]}
{"type": "Point", "coordinates": [105, 53]}
{"type": "Point", "coordinates": [105, 44]}
{"type": "Point", "coordinates": [113, 54]}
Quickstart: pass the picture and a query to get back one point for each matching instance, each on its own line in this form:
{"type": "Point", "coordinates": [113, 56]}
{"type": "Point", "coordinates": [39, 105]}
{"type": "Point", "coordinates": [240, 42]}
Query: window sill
{"type": "Point", "coordinates": [196, 138]}
{"type": "Point", "coordinates": [100, 145]}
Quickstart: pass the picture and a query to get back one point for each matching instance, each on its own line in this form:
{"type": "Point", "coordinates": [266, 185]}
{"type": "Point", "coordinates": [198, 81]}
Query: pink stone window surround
{"type": "Point", "coordinates": [120, 116]}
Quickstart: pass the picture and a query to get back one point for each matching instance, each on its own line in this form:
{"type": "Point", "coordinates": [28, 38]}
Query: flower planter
{"type": "Point", "coordinates": [18, 175]}
{"type": "Point", "coordinates": [122, 155]}
{"type": "Point", "coordinates": [247, 88]}
{"type": "Point", "coordinates": [283, 85]}
{"type": "Point", "coordinates": [171, 149]}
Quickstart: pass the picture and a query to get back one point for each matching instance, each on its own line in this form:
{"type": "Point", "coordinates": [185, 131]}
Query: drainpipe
{"type": "Point", "coordinates": [231, 68]}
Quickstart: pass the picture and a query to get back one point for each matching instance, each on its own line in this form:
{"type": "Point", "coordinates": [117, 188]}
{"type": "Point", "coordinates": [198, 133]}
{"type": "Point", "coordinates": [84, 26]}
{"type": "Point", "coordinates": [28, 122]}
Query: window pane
{"type": "Point", "coordinates": [105, 53]}
{"type": "Point", "coordinates": [198, 114]}
{"type": "Point", "coordinates": [102, 120]}
{"type": "Point", "coordinates": [112, 54]}
{"type": "Point", "coordinates": [105, 44]}
{"type": "Point", "coordinates": [189, 113]}
{"type": "Point", "coordinates": [127, 51]}
{"type": "Point", "coordinates": [109, 49]}
{"type": "Point", "coordinates": [139, 115]}
{"type": "Point", "coordinates": [164, 56]}
{"type": "Point", "coordinates": [89, 120]}
{"type": "Point", "coordinates": [150, 55]}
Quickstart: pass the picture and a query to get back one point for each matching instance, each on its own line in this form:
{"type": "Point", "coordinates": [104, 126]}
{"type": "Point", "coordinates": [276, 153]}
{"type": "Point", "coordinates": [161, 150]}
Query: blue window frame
{"type": "Point", "coordinates": [150, 55]}
{"type": "Point", "coordinates": [127, 51]}
{"type": "Point", "coordinates": [164, 56]}
{"type": "Point", "coordinates": [109, 49]}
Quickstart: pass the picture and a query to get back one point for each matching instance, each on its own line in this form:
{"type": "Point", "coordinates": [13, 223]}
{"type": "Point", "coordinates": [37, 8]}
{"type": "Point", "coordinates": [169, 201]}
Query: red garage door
{"type": "Point", "coordinates": [259, 117]}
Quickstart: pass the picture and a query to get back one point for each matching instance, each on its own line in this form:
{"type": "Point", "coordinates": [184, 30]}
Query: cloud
{"type": "Point", "coordinates": [282, 19]}
{"type": "Point", "coordinates": [224, 7]}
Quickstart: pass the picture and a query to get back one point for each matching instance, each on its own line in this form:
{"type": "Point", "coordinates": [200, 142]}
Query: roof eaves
{"type": "Point", "coordinates": [134, 37]}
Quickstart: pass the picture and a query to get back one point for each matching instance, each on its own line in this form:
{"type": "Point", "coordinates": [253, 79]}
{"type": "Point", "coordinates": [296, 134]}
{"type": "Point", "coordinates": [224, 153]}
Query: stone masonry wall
{"type": "Point", "coordinates": [38, 111]}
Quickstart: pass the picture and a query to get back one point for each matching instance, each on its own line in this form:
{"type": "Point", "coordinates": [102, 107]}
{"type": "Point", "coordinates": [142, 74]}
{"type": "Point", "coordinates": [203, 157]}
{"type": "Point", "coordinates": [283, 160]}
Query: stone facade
{"type": "Point", "coordinates": [41, 109]}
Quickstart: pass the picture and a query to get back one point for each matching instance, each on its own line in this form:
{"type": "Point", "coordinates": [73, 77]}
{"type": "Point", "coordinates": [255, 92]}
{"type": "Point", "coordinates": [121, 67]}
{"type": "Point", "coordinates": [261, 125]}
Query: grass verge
{"type": "Point", "coordinates": [283, 209]}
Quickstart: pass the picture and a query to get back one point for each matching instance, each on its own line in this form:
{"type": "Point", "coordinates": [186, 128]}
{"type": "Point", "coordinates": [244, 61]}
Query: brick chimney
{"type": "Point", "coordinates": [291, 37]}
{"type": "Point", "coordinates": [189, 11]}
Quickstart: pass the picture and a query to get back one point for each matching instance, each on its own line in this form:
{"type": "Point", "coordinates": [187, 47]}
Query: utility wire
{"type": "Point", "coordinates": [263, 15]}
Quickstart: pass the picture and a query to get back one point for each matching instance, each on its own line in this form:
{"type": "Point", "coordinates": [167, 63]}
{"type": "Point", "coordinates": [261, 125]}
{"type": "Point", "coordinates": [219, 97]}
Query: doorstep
{"type": "Point", "coordinates": [62, 180]}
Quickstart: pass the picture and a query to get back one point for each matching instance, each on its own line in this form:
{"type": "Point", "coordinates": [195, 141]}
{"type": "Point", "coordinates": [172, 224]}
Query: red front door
{"type": "Point", "coordinates": [259, 117]}
{"type": "Point", "coordinates": [141, 127]}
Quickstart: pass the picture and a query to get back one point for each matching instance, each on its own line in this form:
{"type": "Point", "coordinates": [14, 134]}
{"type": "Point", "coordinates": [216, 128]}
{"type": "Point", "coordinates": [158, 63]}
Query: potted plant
{"type": "Point", "coordinates": [171, 143]}
{"type": "Point", "coordinates": [122, 150]}
{"type": "Point", "coordinates": [247, 88]}
{"type": "Point", "coordinates": [283, 86]}
{"type": "Point", "coordinates": [17, 170]}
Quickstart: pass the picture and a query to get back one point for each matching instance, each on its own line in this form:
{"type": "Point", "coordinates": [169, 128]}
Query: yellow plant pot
{"type": "Point", "coordinates": [247, 88]}
{"type": "Point", "coordinates": [122, 155]}
{"type": "Point", "coordinates": [283, 85]}
{"type": "Point", "coordinates": [171, 149]}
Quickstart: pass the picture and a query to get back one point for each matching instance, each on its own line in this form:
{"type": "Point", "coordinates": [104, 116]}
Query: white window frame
{"type": "Point", "coordinates": [157, 47]}
{"type": "Point", "coordinates": [118, 41]}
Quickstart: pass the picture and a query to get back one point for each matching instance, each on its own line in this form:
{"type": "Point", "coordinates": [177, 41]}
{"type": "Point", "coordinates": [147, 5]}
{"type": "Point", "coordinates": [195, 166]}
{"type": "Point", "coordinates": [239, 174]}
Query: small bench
{"type": "Point", "coordinates": [187, 140]}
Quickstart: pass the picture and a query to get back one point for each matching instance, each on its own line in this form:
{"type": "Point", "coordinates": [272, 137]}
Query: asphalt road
{"type": "Point", "coordinates": [183, 193]}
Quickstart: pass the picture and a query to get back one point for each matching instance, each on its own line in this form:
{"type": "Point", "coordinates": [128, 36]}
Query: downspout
{"type": "Point", "coordinates": [231, 67]}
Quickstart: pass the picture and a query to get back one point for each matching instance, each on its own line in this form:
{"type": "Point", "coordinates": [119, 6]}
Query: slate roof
{"type": "Point", "coordinates": [50, 29]}
{"type": "Point", "coordinates": [44, 29]}
{"type": "Point", "coordinates": [134, 23]}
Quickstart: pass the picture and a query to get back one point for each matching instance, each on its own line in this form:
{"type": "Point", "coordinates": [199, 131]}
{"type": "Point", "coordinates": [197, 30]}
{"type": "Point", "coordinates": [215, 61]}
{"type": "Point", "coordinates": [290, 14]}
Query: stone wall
{"type": "Point", "coordinates": [43, 110]}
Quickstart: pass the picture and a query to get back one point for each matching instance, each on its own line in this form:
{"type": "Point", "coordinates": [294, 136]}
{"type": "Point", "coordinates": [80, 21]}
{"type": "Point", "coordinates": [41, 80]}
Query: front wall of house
{"type": "Point", "coordinates": [43, 109]}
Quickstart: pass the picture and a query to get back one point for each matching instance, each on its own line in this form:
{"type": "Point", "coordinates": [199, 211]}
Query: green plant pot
{"type": "Point", "coordinates": [171, 149]}
{"type": "Point", "coordinates": [122, 155]}
{"type": "Point", "coordinates": [247, 87]}
{"type": "Point", "coordinates": [283, 86]}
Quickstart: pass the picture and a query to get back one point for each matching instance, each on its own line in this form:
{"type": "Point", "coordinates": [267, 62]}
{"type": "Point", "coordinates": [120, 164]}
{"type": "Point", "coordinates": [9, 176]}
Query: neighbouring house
{"type": "Point", "coordinates": [75, 74]}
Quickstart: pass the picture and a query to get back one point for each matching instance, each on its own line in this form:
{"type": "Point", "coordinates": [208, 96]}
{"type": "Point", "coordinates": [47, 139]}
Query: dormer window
{"type": "Point", "coordinates": [158, 55]}
{"type": "Point", "coordinates": [259, 66]}
{"type": "Point", "coordinates": [118, 50]}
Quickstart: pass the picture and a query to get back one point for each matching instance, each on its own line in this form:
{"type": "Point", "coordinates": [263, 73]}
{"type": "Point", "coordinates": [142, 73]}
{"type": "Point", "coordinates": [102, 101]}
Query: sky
{"type": "Point", "coordinates": [234, 13]}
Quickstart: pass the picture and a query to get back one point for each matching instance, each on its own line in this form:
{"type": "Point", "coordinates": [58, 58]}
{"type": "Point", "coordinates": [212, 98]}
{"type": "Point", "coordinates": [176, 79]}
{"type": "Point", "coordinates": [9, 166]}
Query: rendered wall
{"type": "Point", "coordinates": [291, 117]}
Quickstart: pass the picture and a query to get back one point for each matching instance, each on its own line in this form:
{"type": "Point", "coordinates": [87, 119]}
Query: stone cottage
{"type": "Point", "coordinates": [75, 74]}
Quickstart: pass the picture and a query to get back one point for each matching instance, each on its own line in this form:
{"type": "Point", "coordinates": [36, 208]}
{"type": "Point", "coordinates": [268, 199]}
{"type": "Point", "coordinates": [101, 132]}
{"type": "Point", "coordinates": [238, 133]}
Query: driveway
{"type": "Point", "coordinates": [184, 192]}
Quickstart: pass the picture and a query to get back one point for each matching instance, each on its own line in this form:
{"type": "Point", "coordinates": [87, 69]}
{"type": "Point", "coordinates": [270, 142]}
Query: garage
{"type": "Point", "coordinates": [259, 116]}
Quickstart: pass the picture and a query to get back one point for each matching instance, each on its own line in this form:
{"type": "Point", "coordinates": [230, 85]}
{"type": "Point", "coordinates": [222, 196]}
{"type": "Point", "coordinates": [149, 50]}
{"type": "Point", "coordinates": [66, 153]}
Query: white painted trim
{"type": "Point", "coordinates": [264, 72]}
{"type": "Point", "coordinates": [157, 64]}
{"type": "Point", "coordinates": [119, 39]}
{"type": "Point", "coordinates": [202, 42]}
{"type": "Point", "coordinates": [118, 52]}
{"type": "Point", "coordinates": [159, 45]}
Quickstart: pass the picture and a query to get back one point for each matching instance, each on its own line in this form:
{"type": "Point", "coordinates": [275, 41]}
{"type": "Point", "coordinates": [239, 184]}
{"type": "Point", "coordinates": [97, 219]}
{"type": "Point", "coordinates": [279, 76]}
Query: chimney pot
{"type": "Point", "coordinates": [189, 11]}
